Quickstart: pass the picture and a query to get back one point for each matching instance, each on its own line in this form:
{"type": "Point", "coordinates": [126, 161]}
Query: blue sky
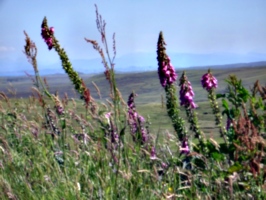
{"type": "Point", "coordinates": [196, 27]}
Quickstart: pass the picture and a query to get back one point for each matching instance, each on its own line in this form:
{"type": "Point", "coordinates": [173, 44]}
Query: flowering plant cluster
{"type": "Point", "coordinates": [47, 35]}
{"type": "Point", "coordinates": [186, 93]}
{"type": "Point", "coordinates": [136, 121]}
{"type": "Point", "coordinates": [107, 151]}
{"type": "Point", "coordinates": [167, 78]}
{"type": "Point", "coordinates": [166, 72]}
{"type": "Point", "coordinates": [208, 81]}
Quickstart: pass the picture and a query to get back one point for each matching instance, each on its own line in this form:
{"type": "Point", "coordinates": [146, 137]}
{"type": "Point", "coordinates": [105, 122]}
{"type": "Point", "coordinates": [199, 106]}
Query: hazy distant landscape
{"type": "Point", "coordinates": [144, 83]}
{"type": "Point", "coordinates": [138, 62]}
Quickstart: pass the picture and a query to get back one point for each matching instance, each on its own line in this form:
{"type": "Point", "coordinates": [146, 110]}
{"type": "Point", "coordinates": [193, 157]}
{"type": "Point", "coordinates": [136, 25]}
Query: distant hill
{"type": "Point", "coordinates": [146, 84]}
{"type": "Point", "coordinates": [137, 62]}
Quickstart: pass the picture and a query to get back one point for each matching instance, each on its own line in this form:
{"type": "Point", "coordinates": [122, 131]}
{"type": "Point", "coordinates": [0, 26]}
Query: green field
{"type": "Point", "coordinates": [147, 86]}
{"type": "Point", "coordinates": [68, 167]}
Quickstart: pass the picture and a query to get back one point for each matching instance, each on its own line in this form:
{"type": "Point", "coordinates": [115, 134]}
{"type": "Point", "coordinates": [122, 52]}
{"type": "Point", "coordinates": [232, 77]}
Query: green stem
{"type": "Point", "coordinates": [218, 116]}
{"type": "Point", "coordinates": [173, 112]}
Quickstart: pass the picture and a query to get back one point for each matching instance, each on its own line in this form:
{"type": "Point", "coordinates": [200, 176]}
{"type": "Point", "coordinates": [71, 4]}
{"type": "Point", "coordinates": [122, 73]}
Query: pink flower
{"type": "Point", "coordinates": [52, 30]}
{"type": "Point", "coordinates": [108, 115]}
{"type": "Point", "coordinates": [141, 119]}
{"type": "Point", "coordinates": [153, 154]}
{"type": "Point", "coordinates": [136, 121]}
{"type": "Point", "coordinates": [59, 110]}
{"type": "Point", "coordinates": [184, 149]}
{"type": "Point", "coordinates": [208, 81]}
{"type": "Point", "coordinates": [47, 36]}
{"type": "Point", "coordinates": [186, 93]}
{"type": "Point", "coordinates": [166, 72]}
{"type": "Point", "coordinates": [164, 165]}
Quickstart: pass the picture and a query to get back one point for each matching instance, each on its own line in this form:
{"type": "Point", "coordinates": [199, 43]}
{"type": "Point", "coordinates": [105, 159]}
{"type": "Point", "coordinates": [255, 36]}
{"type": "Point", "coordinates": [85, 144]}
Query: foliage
{"type": "Point", "coordinates": [53, 147]}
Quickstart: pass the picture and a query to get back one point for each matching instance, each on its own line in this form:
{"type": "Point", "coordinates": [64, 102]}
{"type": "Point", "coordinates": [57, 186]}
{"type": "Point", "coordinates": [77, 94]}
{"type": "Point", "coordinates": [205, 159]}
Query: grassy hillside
{"type": "Point", "coordinates": [148, 88]}
{"type": "Point", "coordinates": [146, 84]}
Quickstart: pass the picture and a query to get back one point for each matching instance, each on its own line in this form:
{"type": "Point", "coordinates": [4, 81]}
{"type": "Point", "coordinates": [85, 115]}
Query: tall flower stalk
{"type": "Point", "coordinates": [136, 122]}
{"type": "Point", "coordinates": [168, 76]}
{"type": "Point", "coordinates": [49, 38]}
{"type": "Point", "coordinates": [210, 83]}
{"type": "Point", "coordinates": [186, 100]}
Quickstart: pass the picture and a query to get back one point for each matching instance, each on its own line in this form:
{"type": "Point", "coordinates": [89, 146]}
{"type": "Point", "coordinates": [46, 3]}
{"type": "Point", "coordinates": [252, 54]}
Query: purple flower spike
{"type": "Point", "coordinates": [186, 93]}
{"type": "Point", "coordinates": [208, 81]}
{"type": "Point", "coordinates": [47, 35]}
{"type": "Point", "coordinates": [136, 121]}
{"type": "Point", "coordinates": [167, 73]}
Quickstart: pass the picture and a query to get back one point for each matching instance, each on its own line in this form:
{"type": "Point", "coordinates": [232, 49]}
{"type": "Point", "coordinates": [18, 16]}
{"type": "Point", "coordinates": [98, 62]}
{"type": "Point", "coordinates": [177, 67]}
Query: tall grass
{"type": "Point", "coordinates": [53, 147]}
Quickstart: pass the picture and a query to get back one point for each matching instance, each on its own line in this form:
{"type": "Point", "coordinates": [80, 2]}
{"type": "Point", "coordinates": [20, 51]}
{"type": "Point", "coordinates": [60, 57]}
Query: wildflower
{"type": "Point", "coordinates": [153, 154]}
{"type": "Point", "coordinates": [58, 105]}
{"type": "Point", "coordinates": [136, 121]}
{"type": "Point", "coordinates": [167, 77]}
{"type": "Point", "coordinates": [144, 135]}
{"type": "Point", "coordinates": [52, 30]}
{"type": "Point", "coordinates": [228, 123]}
{"type": "Point", "coordinates": [186, 93]}
{"type": "Point", "coordinates": [47, 35]}
{"type": "Point", "coordinates": [184, 149]}
{"type": "Point", "coordinates": [59, 110]}
{"type": "Point", "coordinates": [108, 115]}
{"type": "Point", "coordinates": [208, 81]}
{"type": "Point", "coordinates": [141, 119]}
{"type": "Point", "coordinates": [164, 165]}
{"type": "Point", "coordinates": [130, 102]}
{"type": "Point", "coordinates": [166, 72]}
{"type": "Point", "coordinates": [49, 38]}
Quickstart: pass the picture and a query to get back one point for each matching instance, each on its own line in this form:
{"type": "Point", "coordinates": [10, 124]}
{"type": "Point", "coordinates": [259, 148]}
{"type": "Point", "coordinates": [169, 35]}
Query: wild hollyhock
{"type": "Point", "coordinates": [186, 93]}
{"type": "Point", "coordinates": [208, 81]}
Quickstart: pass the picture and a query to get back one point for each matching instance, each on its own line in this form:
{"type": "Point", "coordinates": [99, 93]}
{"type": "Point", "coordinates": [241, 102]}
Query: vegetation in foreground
{"type": "Point", "coordinates": [52, 148]}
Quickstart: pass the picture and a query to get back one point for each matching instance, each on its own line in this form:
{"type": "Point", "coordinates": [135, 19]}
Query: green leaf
{"type": "Point", "coordinates": [63, 123]}
{"type": "Point", "coordinates": [235, 168]}
{"type": "Point", "coordinates": [217, 156]}
{"type": "Point", "coordinates": [225, 104]}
